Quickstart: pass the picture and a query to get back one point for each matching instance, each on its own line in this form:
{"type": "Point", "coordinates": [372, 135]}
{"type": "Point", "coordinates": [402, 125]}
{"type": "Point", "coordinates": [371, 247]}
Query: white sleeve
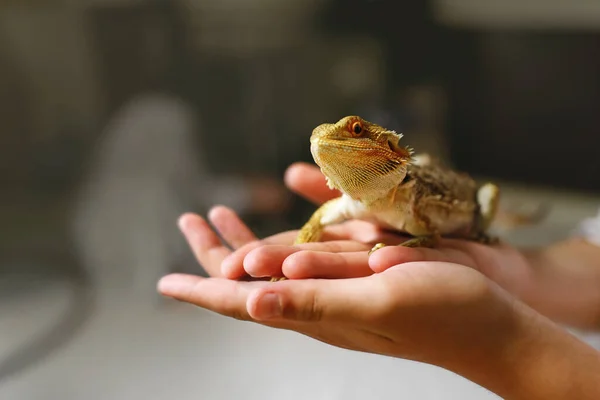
{"type": "Point", "coordinates": [589, 229]}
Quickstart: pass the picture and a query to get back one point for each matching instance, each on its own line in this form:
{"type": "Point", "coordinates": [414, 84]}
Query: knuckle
{"type": "Point", "coordinates": [261, 254]}
{"type": "Point", "coordinates": [189, 294]}
{"type": "Point", "coordinates": [308, 309]}
{"type": "Point", "coordinates": [312, 309]}
{"type": "Point", "coordinates": [316, 310]}
{"type": "Point", "coordinates": [305, 258]}
{"type": "Point", "coordinates": [332, 246]}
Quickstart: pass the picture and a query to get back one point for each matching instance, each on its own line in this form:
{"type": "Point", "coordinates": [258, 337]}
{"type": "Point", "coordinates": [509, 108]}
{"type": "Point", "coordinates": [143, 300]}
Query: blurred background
{"type": "Point", "coordinates": [118, 115]}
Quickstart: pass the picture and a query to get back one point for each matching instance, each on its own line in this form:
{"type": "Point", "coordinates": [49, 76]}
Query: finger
{"type": "Point", "coordinates": [233, 230]}
{"type": "Point", "coordinates": [314, 300]}
{"type": "Point", "coordinates": [390, 256]}
{"type": "Point", "coordinates": [232, 267]}
{"type": "Point", "coordinates": [204, 243]}
{"type": "Point", "coordinates": [268, 260]}
{"type": "Point", "coordinates": [360, 231]}
{"type": "Point", "coordinates": [315, 264]}
{"type": "Point", "coordinates": [486, 259]}
{"type": "Point", "coordinates": [222, 296]}
{"type": "Point", "coordinates": [308, 181]}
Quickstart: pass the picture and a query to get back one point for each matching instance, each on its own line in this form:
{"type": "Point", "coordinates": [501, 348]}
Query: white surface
{"type": "Point", "coordinates": [590, 229]}
{"type": "Point", "coordinates": [178, 352]}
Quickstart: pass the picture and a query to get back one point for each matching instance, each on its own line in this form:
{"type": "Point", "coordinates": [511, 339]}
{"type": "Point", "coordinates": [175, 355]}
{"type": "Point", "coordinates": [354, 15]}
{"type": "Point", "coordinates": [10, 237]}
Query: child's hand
{"type": "Point", "coordinates": [219, 260]}
{"type": "Point", "coordinates": [561, 280]}
{"type": "Point", "coordinates": [415, 307]}
{"type": "Point", "coordinates": [438, 313]}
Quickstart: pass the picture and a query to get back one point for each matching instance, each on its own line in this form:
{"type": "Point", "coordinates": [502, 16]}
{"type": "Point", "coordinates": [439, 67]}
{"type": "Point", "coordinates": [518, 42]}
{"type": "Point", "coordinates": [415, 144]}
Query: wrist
{"type": "Point", "coordinates": [534, 359]}
{"type": "Point", "coordinates": [566, 284]}
{"type": "Point", "coordinates": [546, 361]}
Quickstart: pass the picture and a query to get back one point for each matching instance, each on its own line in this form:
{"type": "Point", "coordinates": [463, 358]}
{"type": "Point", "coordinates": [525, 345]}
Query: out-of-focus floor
{"type": "Point", "coordinates": [173, 351]}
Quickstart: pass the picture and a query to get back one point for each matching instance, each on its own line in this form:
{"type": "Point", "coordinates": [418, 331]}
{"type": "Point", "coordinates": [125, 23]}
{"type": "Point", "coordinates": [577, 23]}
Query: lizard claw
{"type": "Point", "coordinates": [376, 247]}
{"type": "Point", "coordinates": [281, 278]}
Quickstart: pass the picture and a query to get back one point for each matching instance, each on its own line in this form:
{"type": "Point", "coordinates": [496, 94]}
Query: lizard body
{"type": "Point", "coordinates": [382, 182]}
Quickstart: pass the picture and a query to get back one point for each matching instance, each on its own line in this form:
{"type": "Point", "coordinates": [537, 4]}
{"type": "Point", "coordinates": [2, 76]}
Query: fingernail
{"type": "Point", "coordinates": [215, 210]}
{"type": "Point", "coordinates": [251, 268]}
{"type": "Point", "coordinates": [269, 306]}
{"type": "Point", "coordinates": [173, 285]}
{"type": "Point", "coordinates": [227, 266]}
{"type": "Point", "coordinates": [182, 223]}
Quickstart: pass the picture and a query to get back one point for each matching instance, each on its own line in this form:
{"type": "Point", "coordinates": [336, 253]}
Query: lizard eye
{"type": "Point", "coordinates": [357, 128]}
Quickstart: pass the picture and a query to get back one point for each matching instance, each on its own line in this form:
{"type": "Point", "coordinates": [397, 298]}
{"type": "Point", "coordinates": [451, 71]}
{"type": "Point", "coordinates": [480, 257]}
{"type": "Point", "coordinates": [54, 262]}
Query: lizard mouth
{"type": "Point", "coordinates": [403, 152]}
{"type": "Point", "coordinates": [391, 145]}
{"type": "Point", "coordinates": [318, 147]}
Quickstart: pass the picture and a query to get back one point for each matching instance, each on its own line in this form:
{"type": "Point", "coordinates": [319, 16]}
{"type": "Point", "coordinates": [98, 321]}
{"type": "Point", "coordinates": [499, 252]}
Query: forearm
{"type": "Point", "coordinates": [551, 363]}
{"type": "Point", "coordinates": [566, 283]}
{"type": "Point", "coordinates": [537, 360]}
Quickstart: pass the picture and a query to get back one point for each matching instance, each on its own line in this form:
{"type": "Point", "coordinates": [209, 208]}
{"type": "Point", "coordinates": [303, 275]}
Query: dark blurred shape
{"type": "Point", "coordinates": [523, 106]}
{"type": "Point", "coordinates": [139, 48]}
{"type": "Point", "coordinates": [406, 29]}
{"type": "Point", "coordinates": [16, 98]}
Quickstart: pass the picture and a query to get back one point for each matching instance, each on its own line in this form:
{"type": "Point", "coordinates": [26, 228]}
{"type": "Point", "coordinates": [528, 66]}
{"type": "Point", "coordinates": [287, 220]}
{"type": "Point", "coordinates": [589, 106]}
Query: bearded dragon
{"type": "Point", "coordinates": [383, 182]}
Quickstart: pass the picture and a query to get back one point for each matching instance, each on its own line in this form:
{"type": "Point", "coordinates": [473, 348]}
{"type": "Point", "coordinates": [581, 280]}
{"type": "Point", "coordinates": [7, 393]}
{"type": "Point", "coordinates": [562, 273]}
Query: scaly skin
{"type": "Point", "coordinates": [382, 182]}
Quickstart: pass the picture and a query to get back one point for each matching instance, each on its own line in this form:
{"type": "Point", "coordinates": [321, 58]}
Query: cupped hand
{"type": "Point", "coordinates": [420, 311]}
{"type": "Point", "coordinates": [226, 258]}
{"type": "Point", "coordinates": [417, 304]}
{"type": "Point", "coordinates": [344, 250]}
{"type": "Point", "coordinates": [439, 313]}
{"type": "Point", "coordinates": [239, 254]}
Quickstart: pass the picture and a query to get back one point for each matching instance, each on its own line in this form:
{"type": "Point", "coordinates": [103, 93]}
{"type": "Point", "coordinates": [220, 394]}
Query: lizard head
{"type": "Point", "coordinates": [361, 159]}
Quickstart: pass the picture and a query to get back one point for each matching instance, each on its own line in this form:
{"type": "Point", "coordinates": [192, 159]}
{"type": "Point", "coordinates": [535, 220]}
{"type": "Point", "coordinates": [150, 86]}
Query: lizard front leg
{"type": "Point", "coordinates": [425, 234]}
{"type": "Point", "coordinates": [419, 241]}
{"type": "Point", "coordinates": [329, 213]}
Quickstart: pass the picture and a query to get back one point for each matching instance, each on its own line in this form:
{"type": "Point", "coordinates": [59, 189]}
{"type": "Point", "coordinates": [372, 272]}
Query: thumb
{"type": "Point", "coordinates": [308, 181]}
{"type": "Point", "coordinates": [340, 300]}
